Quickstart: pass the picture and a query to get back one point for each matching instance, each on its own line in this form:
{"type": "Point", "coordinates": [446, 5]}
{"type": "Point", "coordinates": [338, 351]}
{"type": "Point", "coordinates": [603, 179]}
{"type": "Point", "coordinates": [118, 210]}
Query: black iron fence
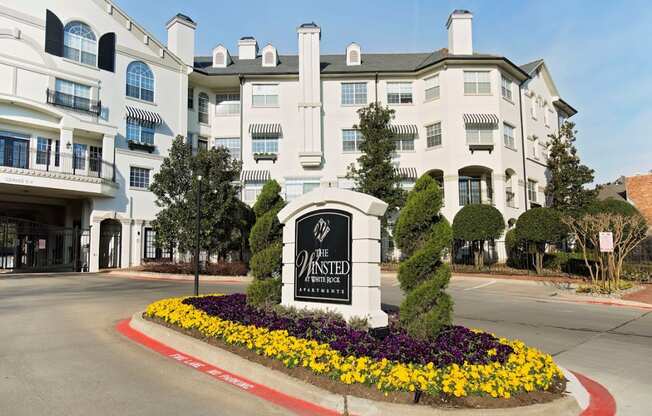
{"type": "Point", "coordinates": [74, 102]}
{"type": "Point", "coordinates": [27, 246]}
{"type": "Point", "coordinates": [82, 161]}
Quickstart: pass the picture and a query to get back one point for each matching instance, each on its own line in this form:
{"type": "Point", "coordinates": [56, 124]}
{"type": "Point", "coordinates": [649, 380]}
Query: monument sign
{"type": "Point", "coordinates": [331, 253]}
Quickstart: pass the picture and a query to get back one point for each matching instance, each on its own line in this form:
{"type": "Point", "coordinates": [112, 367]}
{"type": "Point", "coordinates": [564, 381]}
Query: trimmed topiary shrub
{"type": "Point", "coordinates": [423, 234]}
{"type": "Point", "coordinates": [612, 206]}
{"type": "Point", "coordinates": [266, 245]}
{"type": "Point", "coordinates": [539, 227]}
{"type": "Point", "coordinates": [476, 224]}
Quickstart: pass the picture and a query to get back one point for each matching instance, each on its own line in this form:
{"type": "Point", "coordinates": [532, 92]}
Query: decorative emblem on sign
{"type": "Point", "coordinates": [322, 267]}
{"type": "Point", "coordinates": [321, 230]}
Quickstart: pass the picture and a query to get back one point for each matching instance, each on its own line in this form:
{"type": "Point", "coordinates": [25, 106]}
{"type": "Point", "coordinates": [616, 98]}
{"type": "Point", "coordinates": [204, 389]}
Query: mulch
{"type": "Point", "coordinates": [371, 393]}
{"type": "Point", "coordinates": [644, 295]}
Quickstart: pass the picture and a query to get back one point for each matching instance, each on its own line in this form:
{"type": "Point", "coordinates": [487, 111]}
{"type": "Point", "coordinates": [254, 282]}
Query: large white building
{"type": "Point", "coordinates": [90, 102]}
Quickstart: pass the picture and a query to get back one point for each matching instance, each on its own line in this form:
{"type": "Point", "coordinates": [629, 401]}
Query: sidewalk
{"type": "Point", "coordinates": [138, 274]}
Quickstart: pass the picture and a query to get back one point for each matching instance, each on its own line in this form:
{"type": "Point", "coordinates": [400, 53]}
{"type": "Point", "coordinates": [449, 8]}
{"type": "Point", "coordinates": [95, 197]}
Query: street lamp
{"type": "Point", "coordinates": [197, 236]}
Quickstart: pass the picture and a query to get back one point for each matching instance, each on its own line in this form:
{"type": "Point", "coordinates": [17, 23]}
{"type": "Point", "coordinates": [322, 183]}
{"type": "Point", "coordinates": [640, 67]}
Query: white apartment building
{"type": "Point", "coordinates": [90, 102]}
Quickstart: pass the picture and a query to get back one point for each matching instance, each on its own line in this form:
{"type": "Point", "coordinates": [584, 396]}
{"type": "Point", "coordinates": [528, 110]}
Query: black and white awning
{"type": "Point", "coordinates": [407, 173]}
{"type": "Point", "coordinates": [404, 129]}
{"type": "Point", "coordinates": [480, 119]}
{"type": "Point", "coordinates": [255, 176]}
{"type": "Point", "coordinates": [139, 114]}
{"type": "Point", "coordinates": [265, 128]}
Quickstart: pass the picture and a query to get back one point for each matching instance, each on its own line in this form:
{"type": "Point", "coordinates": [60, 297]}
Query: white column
{"type": "Point", "coordinates": [108, 157]}
{"type": "Point", "coordinates": [137, 249]}
{"type": "Point", "coordinates": [451, 193]}
{"type": "Point", "coordinates": [125, 244]}
{"type": "Point", "coordinates": [310, 154]}
{"type": "Point", "coordinates": [66, 145]}
{"type": "Point", "coordinates": [94, 261]}
{"type": "Point", "coordinates": [499, 199]}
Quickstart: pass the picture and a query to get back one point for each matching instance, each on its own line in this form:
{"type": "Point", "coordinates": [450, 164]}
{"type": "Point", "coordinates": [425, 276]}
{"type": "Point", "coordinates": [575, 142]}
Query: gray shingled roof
{"type": "Point", "coordinates": [531, 66]}
{"type": "Point", "coordinates": [335, 64]}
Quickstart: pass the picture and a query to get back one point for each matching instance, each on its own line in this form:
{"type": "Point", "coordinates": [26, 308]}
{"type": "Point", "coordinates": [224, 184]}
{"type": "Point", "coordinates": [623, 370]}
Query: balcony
{"type": "Point", "coordinates": [38, 172]}
{"type": "Point", "coordinates": [74, 102]}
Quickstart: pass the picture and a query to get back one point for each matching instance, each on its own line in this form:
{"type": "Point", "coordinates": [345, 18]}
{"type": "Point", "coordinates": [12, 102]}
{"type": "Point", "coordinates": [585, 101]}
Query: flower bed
{"type": "Point", "coordinates": [459, 363]}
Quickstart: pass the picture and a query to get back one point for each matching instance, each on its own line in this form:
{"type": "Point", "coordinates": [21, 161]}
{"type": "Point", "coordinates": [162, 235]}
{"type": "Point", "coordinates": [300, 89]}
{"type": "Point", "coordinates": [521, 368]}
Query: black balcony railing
{"type": "Point", "coordinates": [89, 165]}
{"type": "Point", "coordinates": [74, 102]}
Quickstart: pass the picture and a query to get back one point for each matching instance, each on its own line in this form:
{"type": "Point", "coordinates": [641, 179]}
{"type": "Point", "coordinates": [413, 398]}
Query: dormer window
{"type": "Point", "coordinates": [221, 57]}
{"type": "Point", "coordinates": [353, 54]}
{"type": "Point", "coordinates": [270, 58]}
{"type": "Point", "coordinates": [80, 43]}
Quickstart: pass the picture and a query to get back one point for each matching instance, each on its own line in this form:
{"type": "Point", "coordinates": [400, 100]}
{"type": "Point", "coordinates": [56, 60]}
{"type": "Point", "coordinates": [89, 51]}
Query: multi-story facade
{"type": "Point", "coordinates": [90, 102]}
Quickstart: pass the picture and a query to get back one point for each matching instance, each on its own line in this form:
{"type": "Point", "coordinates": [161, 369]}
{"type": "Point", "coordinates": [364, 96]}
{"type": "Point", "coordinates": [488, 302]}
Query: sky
{"type": "Point", "coordinates": [599, 52]}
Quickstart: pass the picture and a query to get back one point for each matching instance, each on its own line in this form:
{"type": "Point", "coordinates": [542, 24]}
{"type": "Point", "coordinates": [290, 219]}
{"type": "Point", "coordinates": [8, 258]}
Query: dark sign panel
{"type": "Point", "coordinates": [322, 257]}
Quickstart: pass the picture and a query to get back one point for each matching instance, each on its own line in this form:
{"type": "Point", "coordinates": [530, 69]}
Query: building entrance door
{"type": "Point", "coordinates": [110, 244]}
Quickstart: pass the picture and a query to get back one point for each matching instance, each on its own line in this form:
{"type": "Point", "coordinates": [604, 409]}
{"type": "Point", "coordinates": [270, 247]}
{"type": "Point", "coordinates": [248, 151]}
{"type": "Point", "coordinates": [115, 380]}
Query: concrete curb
{"type": "Point", "coordinates": [139, 275]}
{"type": "Point", "coordinates": [328, 402]}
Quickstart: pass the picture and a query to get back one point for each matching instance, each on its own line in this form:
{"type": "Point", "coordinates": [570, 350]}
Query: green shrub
{"type": "Point", "coordinates": [423, 234]}
{"type": "Point", "coordinates": [264, 292]}
{"type": "Point", "coordinates": [266, 245]}
{"type": "Point", "coordinates": [611, 206]}
{"type": "Point", "coordinates": [267, 262]}
{"type": "Point", "coordinates": [539, 227]}
{"type": "Point", "coordinates": [476, 224]}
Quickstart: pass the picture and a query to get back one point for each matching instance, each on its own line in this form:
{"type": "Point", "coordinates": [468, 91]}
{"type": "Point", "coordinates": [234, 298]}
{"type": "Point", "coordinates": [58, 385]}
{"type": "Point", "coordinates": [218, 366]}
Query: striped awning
{"type": "Point", "coordinates": [255, 176]}
{"type": "Point", "coordinates": [407, 173]}
{"type": "Point", "coordinates": [139, 114]}
{"type": "Point", "coordinates": [265, 128]}
{"type": "Point", "coordinates": [404, 129]}
{"type": "Point", "coordinates": [480, 119]}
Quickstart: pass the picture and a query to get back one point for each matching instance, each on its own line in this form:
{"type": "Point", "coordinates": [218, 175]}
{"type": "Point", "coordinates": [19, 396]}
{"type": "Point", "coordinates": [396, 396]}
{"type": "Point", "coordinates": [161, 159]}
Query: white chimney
{"type": "Point", "coordinates": [460, 32]}
{"type": "Point", "coordinates": [181, 38]}
{"type": "Point", "coordinates": [247, 48]}
{"type": "Point", "coordinates": [310, 101]}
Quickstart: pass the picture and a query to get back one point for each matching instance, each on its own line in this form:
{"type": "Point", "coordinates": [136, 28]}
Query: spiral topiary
{"type": "Point", "coordinates": [265, 241]}
{"type": "Point", "coordinates": [423, 235]}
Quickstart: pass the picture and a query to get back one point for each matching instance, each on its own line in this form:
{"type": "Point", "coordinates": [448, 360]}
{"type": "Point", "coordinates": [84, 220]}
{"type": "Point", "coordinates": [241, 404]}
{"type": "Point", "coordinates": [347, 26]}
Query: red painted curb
{"type": "Point", "coordinates": [297, 406]}
{"type": "Point", "coordinates": [601, 402]}
{"type": "Point", "coordinates": [607, 303]}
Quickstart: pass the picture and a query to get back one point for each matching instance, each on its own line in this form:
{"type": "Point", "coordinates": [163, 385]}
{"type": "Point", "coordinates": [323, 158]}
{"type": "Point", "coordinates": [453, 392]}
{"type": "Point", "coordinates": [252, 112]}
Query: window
{"type": "Point", "coordinates": [533, 107]}
{"type": "Point", "coordinates": [345, 183]}
{"type": "Point", "coordinates": [79, 156]}
{"type": "Point", "coordinates": [265, 95]}
{"type": "Point", "coordinates": [351, 140]}
{"type": "Point", "coordinates": [227, 104]}
{"type": "Point", "coordinates": [399, 92]}
{"type": "Point", "coordinates": [469, 190]}
{"type": "Point", "coordinates": [354, 93]}
{"type": "Point", "coordinates": [477, 82]}
{"type": "Point", "coordinates": [43, 149]}
{"type": "Point", "coordinates": [251, 191]}
{"type": "Point", "coordinates": [532, 190]}
{"type": "Point", "coordinates": [407, 184]}
{"type": "Point", "coordinates": [72, 95]}
{"type": "Point", "coordinates": [140, 131]}
{"type": "Point", "coordinates": [510, 196]}
{"type": "Point", "coordinates": [191, 98]}
{"type": "Point", "coordinates": [202, 143]}
{"type": "Point", "coordinates": [506, 88]}
{"type": "Point", "coordinates": [265, 144]}
{"type": "Point", "coordinates": [232, 144]}
{"type": "Point", "coordinates": [138, 177]}
{"type": "Point", "coordinates": [79, 43]}
{"type": "Point", "coordinates": [546, 116]}
{"type": "Point", "coordinates": [543, 152]}
{"type": "Point", "coordinates": [432, 87]}
{"type": "Point", "coordinates": [14, 151]}
{"type": "Point", "coordinates": [508, 136]}
{"type": "Point", "coordinates": [269, 58]}
{"type": "Point", "coordinates": [140, 81]}
{"type": "Point", "coordinates": [296, 188]}
{"type": "Point", "coordinates": [202, 114]}
{"type": "Point", "coordinates": [404, 143]}
{"type": "Point", "coordinates": [433, 135]}
{"type": "Point", "coordinates": [478, 134]}
{"type": "Point", "coordinates": [94, 159]}
{"type": "Point", "coordinates": [150, 245]}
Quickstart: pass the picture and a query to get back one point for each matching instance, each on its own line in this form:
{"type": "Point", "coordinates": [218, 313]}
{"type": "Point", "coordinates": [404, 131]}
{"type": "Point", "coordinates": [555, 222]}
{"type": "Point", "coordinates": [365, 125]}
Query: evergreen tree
{"type": "Point", "coordinates": [176, 186]}
{"type": "Point", "coordinates": [375, 174]}
{"type": "Point", "coordinates": [266, 243]}
{"type": "Point", "coordinates": [423, 235]}
{"type": "Point", "coordinates": [566, 190]}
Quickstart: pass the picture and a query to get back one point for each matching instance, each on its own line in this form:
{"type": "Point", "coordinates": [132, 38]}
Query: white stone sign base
{"type": "Point", "coordinates": [365, 211]}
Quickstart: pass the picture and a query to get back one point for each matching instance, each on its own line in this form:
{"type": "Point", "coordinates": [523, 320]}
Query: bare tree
{"type": "Point", "coordinates": [605, 268]}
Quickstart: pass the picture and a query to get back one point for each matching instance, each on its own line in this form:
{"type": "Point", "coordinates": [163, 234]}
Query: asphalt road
{"type": "Point", "coordinates": [60, 353]}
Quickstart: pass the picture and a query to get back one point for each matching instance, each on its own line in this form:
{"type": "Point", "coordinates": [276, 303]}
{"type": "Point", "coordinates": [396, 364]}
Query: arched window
{"type": "Point", "coordinates": [202, 107]}
{"type": "Point", "coordinates": [354, 57]}
{"type": "Point", "coordinates": [269, 58]}
{"type": "Point", "coordinates": [140, 81]}
{"type": "Point", "coordinates": [219, 58]}
{"type": "Point", "coordinates": [80, 43]}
